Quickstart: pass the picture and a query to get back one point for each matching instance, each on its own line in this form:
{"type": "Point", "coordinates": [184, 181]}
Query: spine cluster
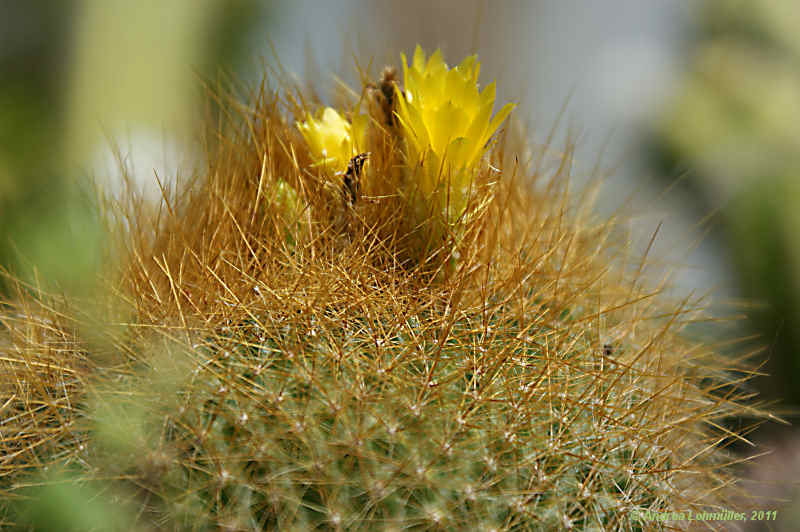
{"type": "Point", "coordinates": [375, 317]}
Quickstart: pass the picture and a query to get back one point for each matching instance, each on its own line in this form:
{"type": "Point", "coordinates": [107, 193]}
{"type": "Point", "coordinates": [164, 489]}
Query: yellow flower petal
{"type": "Point", "coordinates": [332, 140]}
{"type": "Point", "coordinates": [499, 118]}
{"type": "Point", "coordinates": [419, 59]}
{"type": "Point", "coordinates": [446, 120]}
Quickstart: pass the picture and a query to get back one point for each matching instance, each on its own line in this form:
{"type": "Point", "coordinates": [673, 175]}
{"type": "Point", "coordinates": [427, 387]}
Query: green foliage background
{"type": "Point", "coordinates": [76, 77]}
{"type": "Point", "coordinates": [735, 125]}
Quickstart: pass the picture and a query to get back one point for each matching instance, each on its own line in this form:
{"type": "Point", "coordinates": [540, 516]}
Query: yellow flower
{"type": "Point", "coordinates": [446, 122]}
{"type": "Point", "coordinates": [332, 139]}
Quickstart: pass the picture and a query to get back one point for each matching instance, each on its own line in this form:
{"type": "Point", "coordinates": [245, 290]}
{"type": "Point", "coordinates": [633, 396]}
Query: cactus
{"type": "Point", "coordinates": [284, 349]}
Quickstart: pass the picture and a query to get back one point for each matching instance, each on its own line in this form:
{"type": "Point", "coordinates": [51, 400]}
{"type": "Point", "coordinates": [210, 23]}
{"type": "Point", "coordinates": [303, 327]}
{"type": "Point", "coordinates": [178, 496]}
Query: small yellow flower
{"type": "Point", "coordinates": [446, 122]}
{"type": "Point", "coordinates": [332, 139]}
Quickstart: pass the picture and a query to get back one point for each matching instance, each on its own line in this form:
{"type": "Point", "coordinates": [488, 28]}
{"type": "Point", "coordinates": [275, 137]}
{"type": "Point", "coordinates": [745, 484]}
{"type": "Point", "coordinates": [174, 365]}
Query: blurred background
{"type": "Point", "coordinates": [692, 109]}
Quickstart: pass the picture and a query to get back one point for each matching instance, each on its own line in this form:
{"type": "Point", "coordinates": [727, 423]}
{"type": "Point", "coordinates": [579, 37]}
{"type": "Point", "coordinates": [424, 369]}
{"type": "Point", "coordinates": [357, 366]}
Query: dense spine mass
{"type": "Point", "coordinates": [455, 347]}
